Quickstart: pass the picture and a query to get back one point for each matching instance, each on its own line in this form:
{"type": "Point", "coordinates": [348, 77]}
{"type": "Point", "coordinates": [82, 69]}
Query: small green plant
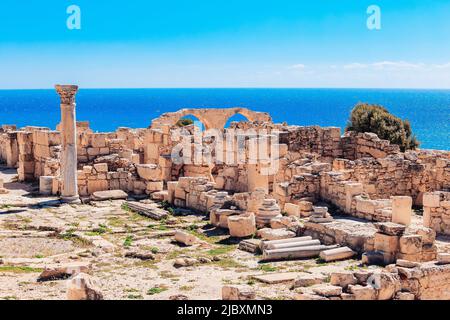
{"type": "Point", "coordinates": [267, 268]}
{"type": "Point", "coordinates": [128, 241]}
{"type": "Point", "coordinates": [154, 250]}
{"type": "Point", "coordinates": [186, 288]}
{"type": "Point", "coordinates": [125, 207]}
{"type": "Point", "coordinates": [156, 290]}
{"type": "Point", "coordinates": [39, 256]}
{"type": "Point", "coordinates": [19, 269]}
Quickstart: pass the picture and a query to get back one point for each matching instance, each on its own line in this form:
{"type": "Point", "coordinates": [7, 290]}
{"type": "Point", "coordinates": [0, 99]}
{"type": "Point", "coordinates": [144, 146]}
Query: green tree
{"type": "Point", "coordinates": [377, 119]}
{"type": "Point", "coordinates": [185, 122]}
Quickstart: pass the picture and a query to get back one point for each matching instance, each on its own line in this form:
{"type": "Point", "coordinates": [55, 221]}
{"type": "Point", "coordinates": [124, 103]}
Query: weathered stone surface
{"type": "Point", "coordinates": [185, 238]}
{"type": "Point", "coordinates": [140, 255]}
{"type": "Point", "coordinates": [83, 287]}
{"type": "Point", "coordinates": [411, 244]}
{"type": "Point", "coordinates": [390, 228]}
{"type": "Point", "coordinates": [337, 254]}
{"type": "Point", "coordinates": [343, 279]}
{"type": "Point", "coordinates": [362, 292]}
{"type": "Point", "coordinates": [237, 293]}
{"type": "Point", "coordinates": [58, 272]}
{"type": "Point", "coordinates": [327, 290]}
{"type": "Point", "coordinates": [407, 263]}
{"type": "Point", "coordinates": [443, 258]}
{"type": "Point", "coordinates": [275, 234]}
{"type": "Point", "coordinates": [307, 280]}
{"type": "Point", "coordinates": [109, 195]}
{"type": "Point", "coordinates": [242, 225]}
{"type": "Point", "coordinates": [273, 278]}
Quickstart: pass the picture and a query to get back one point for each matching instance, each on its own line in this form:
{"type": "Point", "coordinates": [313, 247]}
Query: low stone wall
{"type": "Point", "coordinates": [410, 174]}
{"type": "Point", "coordinates": [196, 193]}
{"type": "Point", "coordinates": [420, 281]}
{"type": "Point", "coordinates": [324, 141]}
{"type": "Point", "coordinates": [359, 145]}
{"type": "Point", "coordinates": [39, 153]}
{"type": "Point", "coordinates": [436, 211]}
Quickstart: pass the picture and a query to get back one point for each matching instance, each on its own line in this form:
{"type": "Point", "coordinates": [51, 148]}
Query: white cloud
{"type": "Point", "coordinates": [355, 65]}
{"type": "Point", "coordinates": [393, 65]}
{"type": "Point", "coordinates": [441, 66]}
{"type": "Point", "coordinates": [298, 66]}
{"type": "Point", "coordinates": [397, 65]}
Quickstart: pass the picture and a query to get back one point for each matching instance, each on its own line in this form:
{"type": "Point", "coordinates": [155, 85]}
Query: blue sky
{"type": "Point", "coordinates": [217, 43]}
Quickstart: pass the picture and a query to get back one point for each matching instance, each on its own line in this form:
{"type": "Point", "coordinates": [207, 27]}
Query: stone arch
{"type": "Point", "coordinates": [211, 118]}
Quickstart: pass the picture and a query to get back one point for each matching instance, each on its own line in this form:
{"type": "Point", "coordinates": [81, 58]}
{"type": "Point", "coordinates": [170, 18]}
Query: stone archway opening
{"type": "Point", "coordinates": [237, 117]}
{"type": "Point", "coordinates": [190, 119]}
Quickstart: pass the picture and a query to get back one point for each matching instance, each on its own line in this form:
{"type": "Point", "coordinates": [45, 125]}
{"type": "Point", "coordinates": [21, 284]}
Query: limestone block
{"type": "Point", "coordinates": [431, 200]}
{"type": "Point", "coordinates": [101, 167]}
{"type": "Point", "coordinates": [337, 254]}
{"type": "Point", "coordinates": [307, 280]}
{"type": "Point", "coordinates": [365, 205]}
{"type": "Point", "coordinates": [292, 209]}
{"type": "Point", "coordinates": [305, 206]}
{"type": "Point", "coordinates": [97, 185]}
{"type": "Point", "coordinates": [401, 210]}
{"type": "Point", "coordinates": [386, 243]}
{"type": "Point", "coordinates": [275, 234]}
{"type": "Point", "coordinates": [93, 152]}
{"type": "Point", "coordinates": [410, 244]}
{"type": "Point", "coordinates": [327, 290]}
{"type": "Point", "coordinates": [343, 279]}
{"type": "Point", "coordinates": [109, 195]}
{"type": "Point", "coordinates": [45, 185]}
{"type": "Point", "coordinates": [171, 187]}
{"type": "Point", "coordinates": [180, 193]}
{"type": "Point", "coordinates": [87, 169]}
{"type": "Point", "coordinates": [237, 293]}
{"type": "Point", "coordinates": [362, 292]}
{"type": "Point", "coordinates": [242, 225]}
{"type": "Point", "coordinates": [153, 186]}
{"type": "Point", "coordinates": [98, 140]}
{"type": "Point", "coordinates": [150, 172]}
{"type": "Point", "coordinates": [185, 238]}
{"type": "Point", "coordinates": [83, 287]}
{"type": "Point", "coordinates": [56, 272]}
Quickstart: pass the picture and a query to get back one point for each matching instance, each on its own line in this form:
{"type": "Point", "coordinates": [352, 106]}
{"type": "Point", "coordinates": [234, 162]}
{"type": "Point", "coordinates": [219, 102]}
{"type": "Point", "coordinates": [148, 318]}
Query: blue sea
{"type": "Point", "coordinates": [107, 109]}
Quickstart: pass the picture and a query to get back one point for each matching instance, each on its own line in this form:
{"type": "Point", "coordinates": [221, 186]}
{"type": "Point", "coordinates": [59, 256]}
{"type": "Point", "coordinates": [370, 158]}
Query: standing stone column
{"type": "Point", "coordinates": [69, 190]}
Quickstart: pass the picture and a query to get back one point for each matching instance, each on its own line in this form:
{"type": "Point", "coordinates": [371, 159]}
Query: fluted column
{"type": "Point", "coordinates": [69, 191]}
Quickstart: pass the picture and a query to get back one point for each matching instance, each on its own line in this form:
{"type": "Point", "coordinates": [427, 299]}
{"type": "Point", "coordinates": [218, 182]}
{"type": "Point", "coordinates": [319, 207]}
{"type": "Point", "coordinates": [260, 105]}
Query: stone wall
{"type": "Point", "coordinates": [412, 173]}
{"type": "Point", "coordinates": [359, 145]}
{"type": "Point", "coordinates": [9, 148]}
{"type": "Point", "coordinates": [436, 211]}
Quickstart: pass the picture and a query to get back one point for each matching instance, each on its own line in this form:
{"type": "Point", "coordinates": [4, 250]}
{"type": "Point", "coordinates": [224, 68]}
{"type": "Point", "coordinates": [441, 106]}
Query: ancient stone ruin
{"type": "Point", "coordinates": [311, 193]}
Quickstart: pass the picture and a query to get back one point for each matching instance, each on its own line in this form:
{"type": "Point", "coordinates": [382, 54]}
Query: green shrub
{"type": "Point", "coordinates": [185, 122]}
{"type": "Point", "coordinates": [377, 119]}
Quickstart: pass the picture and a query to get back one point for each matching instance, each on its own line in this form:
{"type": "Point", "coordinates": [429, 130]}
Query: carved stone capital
{"type": "Point", "coordinates": [67, 93]}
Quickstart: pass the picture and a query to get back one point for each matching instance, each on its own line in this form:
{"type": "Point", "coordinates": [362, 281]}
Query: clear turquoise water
{"type": "Point", "coordinates": [107, 109]}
